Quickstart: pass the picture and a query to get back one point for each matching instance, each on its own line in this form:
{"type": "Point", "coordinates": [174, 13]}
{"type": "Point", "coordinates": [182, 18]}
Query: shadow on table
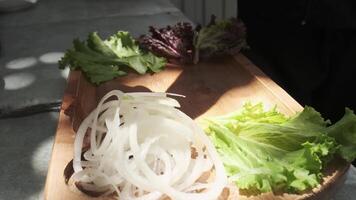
{"type": "Point", "coordinates": [202, 84]}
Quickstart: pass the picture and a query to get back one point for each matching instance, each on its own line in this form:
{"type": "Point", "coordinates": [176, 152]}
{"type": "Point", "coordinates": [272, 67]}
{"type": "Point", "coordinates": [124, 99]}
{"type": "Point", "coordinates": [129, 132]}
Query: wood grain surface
{"type": "Point", "coordinates": [213, 88]}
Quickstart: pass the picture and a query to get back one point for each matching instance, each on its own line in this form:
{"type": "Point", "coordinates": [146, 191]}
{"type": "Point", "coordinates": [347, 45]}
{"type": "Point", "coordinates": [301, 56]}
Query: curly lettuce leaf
{"type": "Point", "coordinates": [268, 151]}
{"type": "Point", "coordinates": [172, 42]}
{"type": "Point", "coordinates": [219, 38]}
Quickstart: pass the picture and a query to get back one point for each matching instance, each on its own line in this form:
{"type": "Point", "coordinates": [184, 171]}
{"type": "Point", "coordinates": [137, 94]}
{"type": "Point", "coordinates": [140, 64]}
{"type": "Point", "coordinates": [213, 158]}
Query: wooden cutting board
{"type": "Point", "coordinates": [213, 88]}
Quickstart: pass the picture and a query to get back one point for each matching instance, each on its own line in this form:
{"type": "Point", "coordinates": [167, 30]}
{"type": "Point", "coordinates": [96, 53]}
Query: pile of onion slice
{"type": "Point", "coordinates": [143, 148]}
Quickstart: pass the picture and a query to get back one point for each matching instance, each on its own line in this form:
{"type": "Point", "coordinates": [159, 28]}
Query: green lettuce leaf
{"type": "Point", "coordinates": [344, 132]}
{"type": "Point", "coordinates": [268, 151]}
{"type": "Point", "coordinates": [102, 61]}
{"type": "Point", "coordinates": [123, 44]}
{"type": "Point", "coordinates": [96, 43]}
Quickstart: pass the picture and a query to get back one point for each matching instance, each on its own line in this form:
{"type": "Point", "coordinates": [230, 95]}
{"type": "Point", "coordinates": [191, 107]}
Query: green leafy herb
{"type": "Point", "coordinates": [268, 151]}
{"type": "Point", "coordinates": [102, 61]}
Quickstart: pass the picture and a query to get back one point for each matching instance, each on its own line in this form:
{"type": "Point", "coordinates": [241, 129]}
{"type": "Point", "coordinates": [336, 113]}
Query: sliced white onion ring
{"type": "Point", "coordinates": [140, 148]}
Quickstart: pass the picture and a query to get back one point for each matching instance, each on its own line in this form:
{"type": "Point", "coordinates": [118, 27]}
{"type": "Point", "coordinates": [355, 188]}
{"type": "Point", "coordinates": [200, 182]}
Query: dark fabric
{"type": "Point", "coordinates": [338, 14]}
{"type": "Point", "coordinates": [332, 14]}
{"type": "Point", "coordinates": [315, 62]}
{"type": "Point", "coordinates": [338, 90]}
{"type": "Point", "coordinates": [274, 11]}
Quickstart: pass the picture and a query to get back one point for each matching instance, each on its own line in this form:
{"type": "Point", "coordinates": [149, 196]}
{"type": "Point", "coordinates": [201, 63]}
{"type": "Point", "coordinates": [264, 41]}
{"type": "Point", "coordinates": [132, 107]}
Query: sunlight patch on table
{"type": "Point", "coordinates": [51, 57]}
{"type": "Point", "coordinates": [18, 80]}
{"type": "Point", "coordinates": [41, 156]}
{"type": "Point", "coordinates": [65, 72]}
{"type": "Point", "coordinates": [21, 63]}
